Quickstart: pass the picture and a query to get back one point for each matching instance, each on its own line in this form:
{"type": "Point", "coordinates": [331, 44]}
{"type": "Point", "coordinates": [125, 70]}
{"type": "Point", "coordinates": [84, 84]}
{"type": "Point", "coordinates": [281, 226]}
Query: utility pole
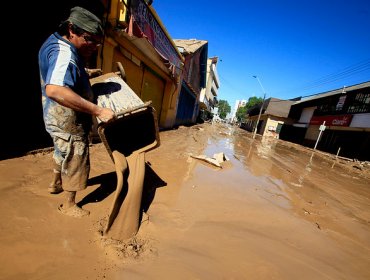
{"type": "Point", "coordinates": [263, 101]}
{"type": "Point", "coordinates": [322, 128]}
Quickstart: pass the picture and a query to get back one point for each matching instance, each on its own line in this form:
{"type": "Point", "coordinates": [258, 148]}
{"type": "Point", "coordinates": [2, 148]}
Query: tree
{"type": "Point", "coordinates": [223, 108]}
{"type": "Point", "coordinates": [241, 113]}
{"type": "Point", "coordinates": [253, 101]}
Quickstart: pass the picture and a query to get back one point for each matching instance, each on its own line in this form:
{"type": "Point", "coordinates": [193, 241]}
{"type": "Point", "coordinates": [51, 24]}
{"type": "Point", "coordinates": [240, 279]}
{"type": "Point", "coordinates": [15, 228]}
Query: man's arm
{"type": "Point", "coordinates": [68, 98]}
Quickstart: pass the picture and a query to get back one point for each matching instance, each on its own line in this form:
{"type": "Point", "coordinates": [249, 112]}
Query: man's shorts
{"type": "Point", "coordinates": [72, 154]}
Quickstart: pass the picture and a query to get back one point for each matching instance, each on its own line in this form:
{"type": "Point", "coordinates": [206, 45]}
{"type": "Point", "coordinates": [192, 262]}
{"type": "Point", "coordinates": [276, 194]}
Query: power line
{"type": "Point", "coordinates": [346, 72]}
{"type": "Point", "coordinates": [230, 84]}
{"type": "Point", "coordinates": [342, 74]}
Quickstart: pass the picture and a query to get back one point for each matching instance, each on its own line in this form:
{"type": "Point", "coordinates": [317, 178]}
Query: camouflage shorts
{"type": "Point", "coordinates": [72, 156]}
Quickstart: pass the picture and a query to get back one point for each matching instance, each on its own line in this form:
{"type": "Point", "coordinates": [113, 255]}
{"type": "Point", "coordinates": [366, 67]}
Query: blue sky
{"type": "Point", "coordinates": [295, 47]}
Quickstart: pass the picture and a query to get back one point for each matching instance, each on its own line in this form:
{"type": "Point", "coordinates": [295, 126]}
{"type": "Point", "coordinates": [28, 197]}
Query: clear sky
{"type": "Point", "coordinates": [295, 47]}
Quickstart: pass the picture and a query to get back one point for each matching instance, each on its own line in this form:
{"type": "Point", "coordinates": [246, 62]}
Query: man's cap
{"type": "Point", "coordinates": [86, 20]}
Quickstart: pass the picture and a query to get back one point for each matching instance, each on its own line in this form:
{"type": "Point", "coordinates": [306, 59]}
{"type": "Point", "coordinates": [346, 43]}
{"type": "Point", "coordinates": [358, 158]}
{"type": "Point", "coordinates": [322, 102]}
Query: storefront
{"type": "Point", "coordinates": [151, 61]}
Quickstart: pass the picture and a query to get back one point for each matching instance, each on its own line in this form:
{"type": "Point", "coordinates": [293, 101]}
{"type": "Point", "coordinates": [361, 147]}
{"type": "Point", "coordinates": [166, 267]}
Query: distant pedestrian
{"type": "Point", "coordinates": [67, 101]}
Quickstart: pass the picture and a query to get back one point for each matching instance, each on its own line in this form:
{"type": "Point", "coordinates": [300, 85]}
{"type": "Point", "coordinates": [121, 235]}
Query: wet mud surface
{"type": "Point", "coordinates": [274, 210]}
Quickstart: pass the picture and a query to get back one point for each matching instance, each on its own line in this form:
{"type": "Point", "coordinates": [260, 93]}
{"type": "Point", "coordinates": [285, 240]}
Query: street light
{"type": "Point", "coordinates": [263, 101]}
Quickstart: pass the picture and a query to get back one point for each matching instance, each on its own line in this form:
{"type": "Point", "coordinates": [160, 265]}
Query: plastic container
{"type": "Point", "coordinates": [136, 125]}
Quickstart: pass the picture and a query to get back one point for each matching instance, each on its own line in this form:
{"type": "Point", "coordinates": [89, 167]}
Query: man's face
{"type": "Point", "coordinates": [89, 43]}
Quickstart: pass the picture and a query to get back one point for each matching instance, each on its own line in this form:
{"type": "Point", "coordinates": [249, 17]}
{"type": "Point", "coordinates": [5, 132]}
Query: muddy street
{"type": "Point", "coordinates": [273, 210]}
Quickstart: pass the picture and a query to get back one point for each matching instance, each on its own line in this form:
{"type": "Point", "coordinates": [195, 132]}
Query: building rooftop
{"type": "Point", "coordinates": [189, 45]}
{"type": "Point", "coordinates": [334, 92]}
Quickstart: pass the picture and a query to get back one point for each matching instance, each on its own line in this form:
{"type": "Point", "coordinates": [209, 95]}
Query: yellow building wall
{"type": "Point", "coordinates": [134, 72]}
{"type": "Point", "coordinates": [143, 75]}
{"type": "Point", "coordinates": [147, 80]}
{"type": "Point", "coordinates": [270, 128]}
{"type": "Point", "coordinates": [108, 53]}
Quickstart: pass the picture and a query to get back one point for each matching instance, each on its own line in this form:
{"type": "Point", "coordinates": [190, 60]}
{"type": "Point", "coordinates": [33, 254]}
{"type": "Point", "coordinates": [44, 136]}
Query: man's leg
{"type": "Point", "coordinates": [55, 186]}
{"type": "Point", "coordinates": [74, 173]}
{"type": "Point", "coordinates": [70, 208]}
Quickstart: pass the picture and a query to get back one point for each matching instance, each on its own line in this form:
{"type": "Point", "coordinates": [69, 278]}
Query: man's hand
{"type": "Point", "coordinates": [106, 115]}
{"type": "Point", "coordinates": [93, 72]}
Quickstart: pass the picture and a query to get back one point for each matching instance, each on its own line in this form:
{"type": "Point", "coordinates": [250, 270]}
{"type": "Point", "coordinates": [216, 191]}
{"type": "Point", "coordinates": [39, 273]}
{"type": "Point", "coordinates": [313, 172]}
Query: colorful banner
{"type": "Point", "coordinates": [144, 24]}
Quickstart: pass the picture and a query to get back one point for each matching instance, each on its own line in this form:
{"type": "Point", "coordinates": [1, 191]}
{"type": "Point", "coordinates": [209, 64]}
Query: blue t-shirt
{"type": "Point", "coordinates": [60, 64]}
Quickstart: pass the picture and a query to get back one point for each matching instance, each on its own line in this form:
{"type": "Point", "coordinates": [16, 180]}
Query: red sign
{"type": "Point", "coordinates": [339, 120]}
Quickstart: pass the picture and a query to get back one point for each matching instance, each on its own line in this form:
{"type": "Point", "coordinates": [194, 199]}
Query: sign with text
{"type": "Point", "coordinates": [339, 120]}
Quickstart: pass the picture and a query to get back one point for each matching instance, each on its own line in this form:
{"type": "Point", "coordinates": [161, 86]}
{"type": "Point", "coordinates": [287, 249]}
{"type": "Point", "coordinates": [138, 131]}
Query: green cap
{"type": "Point", "coordinates": [86, 20]}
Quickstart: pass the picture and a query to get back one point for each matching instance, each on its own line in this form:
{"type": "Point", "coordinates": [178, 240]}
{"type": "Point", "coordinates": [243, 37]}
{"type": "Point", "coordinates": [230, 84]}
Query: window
{"type": "Point", "coordinates": [278, 128]}
{"type": "Point", "coordinates": [360, 104]}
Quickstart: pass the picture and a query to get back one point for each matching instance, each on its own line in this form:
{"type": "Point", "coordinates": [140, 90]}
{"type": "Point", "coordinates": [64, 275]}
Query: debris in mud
{"type": "Point", "coordinates": [199, 128]}
{"type": "Point", "coordinates": [358, 167]}
{"type": "Point", "coordinates": [216, 160]}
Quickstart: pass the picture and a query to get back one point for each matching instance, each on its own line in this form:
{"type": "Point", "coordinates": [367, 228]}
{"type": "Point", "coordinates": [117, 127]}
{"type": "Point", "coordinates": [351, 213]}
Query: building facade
{"type": "Point", "coordinates": [342, 116]}
{"type": "Point", "coordinates": [208, 96]}
{"type": "Point", "coordinates": [274, 114]}
{"type": "Point", "coordinates": [136, 37]}
{"type": "Point", "coordinates": [195, 53]}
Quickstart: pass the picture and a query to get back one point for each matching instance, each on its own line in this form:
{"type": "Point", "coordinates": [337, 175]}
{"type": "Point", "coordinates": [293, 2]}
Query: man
{"type": "Point", "coordinates": [67, 101]}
